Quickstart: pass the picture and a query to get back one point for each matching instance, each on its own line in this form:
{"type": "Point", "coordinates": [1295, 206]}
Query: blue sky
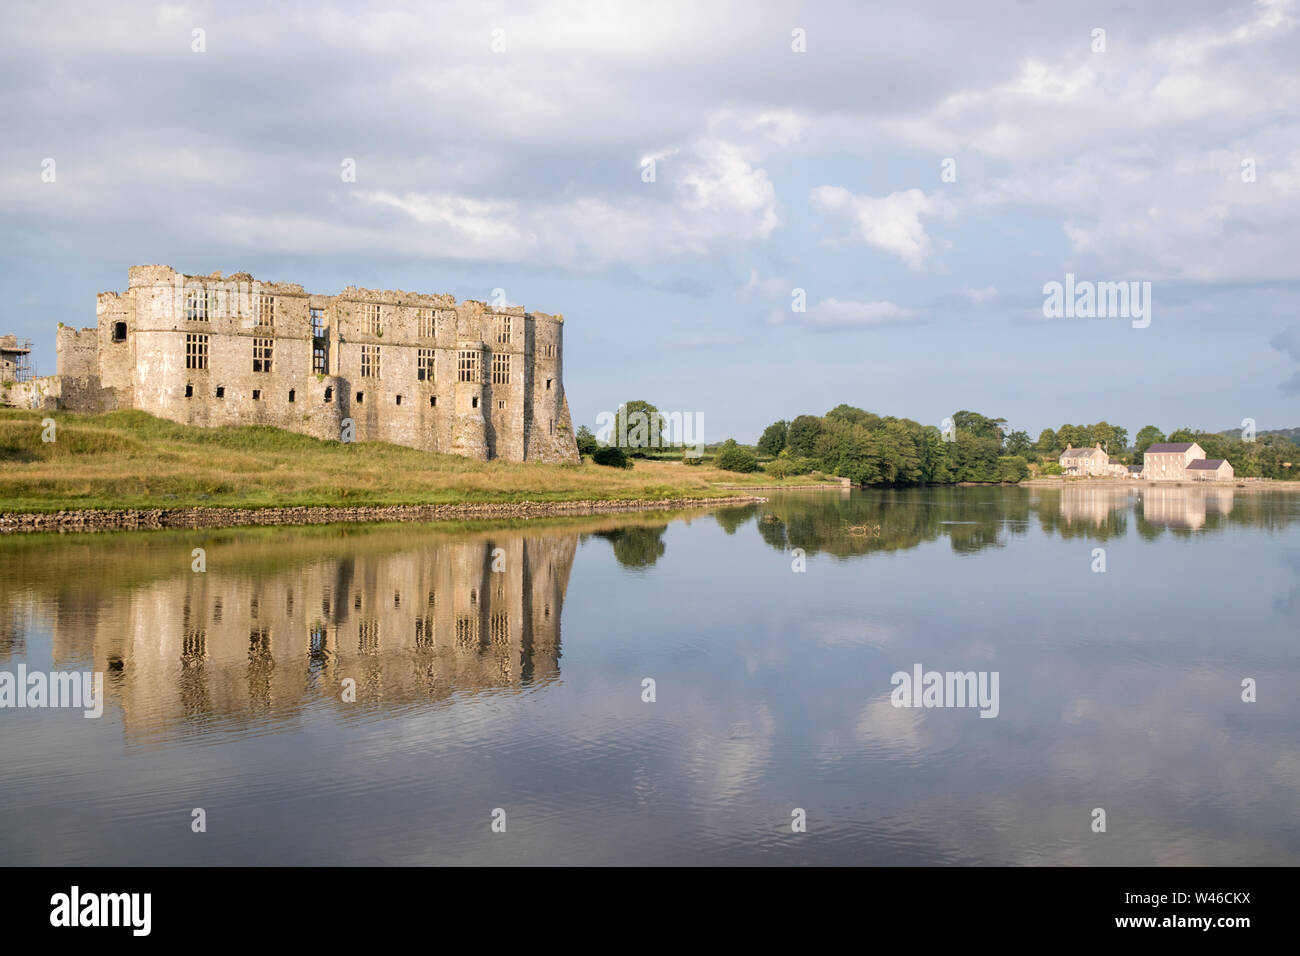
{"type": "Point", "coordinates": [503, 146]}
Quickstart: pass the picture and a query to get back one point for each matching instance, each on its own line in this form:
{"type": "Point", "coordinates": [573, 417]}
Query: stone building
{"type": "Point", "coordinates": [15, 359]}
{"type": "Point", "coordinates": [1168, 461]}
{"type": "Point", "coordinates": [407, 368]}
{"type": "Point", "coordinates": [1092, 462]}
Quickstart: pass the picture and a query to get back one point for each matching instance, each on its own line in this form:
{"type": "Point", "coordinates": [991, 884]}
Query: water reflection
{"type": "Point", "coordinates": [282, 621]}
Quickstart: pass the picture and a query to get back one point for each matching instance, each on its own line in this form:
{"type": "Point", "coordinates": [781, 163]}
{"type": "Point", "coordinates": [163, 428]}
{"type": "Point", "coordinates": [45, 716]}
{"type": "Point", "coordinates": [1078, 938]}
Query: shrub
{"type": "Point", "coordinates": [612, 456]}
{"type": "Point", "coordinates": [731, 457]}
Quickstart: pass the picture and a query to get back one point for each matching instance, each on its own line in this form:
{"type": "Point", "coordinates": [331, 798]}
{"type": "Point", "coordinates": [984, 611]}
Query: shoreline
{"type": "Point", "coordinates": [151, 519]}
{"type": "Point", "coordinates": [1237, 484]}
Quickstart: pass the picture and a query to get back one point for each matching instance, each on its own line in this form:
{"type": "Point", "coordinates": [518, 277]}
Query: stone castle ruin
{"type": "Point", "coordinates": [418, 370]}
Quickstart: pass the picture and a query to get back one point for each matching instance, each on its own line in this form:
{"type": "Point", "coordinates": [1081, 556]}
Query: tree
{"type": "Point", "coordinates": [1047, 442]}
{"type": "Point", "coordinates": [801, 438]}
{"type": "Point", "coordinates": [1018, 443]}
{"type": "Point", "coordinates": [1147, 436]}
{"type": "Point", "coordinates": [587, 443]}
{"type": "Point", "coordinates": [774, 438]}
{"type": "Point", "coordinates": [637, 427]}
{"type": "Point", "coordinates": [731, 457]}
{"type": "Point", "coordinates": [978, 425]}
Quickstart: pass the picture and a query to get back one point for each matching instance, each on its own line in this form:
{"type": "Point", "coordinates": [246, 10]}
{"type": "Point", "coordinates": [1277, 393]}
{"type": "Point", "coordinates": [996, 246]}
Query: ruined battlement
{"type": "Point", "coordinates": [416, 369]}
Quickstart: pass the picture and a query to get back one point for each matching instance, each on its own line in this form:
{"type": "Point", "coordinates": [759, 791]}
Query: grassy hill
{"type": "Point", "coordinates": [130, 459]}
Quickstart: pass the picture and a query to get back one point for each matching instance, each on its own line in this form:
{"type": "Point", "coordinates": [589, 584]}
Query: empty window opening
{"type": "Point", "coordinates": [196, 305]}
{"type": "Point", "coordinates": [329, 395]}
{"type": "Point", "coordinates": [119, 331]}
{"type": "Point", "coordinates": [399, 399]}
{"type": "Point", "coordinates": [257, 394]}
{"type": "Point", "coordinates": [262, 349]}
{"type": "Point", "coordinates": [189, 391]}
{"type": "Point", "coordinates": [501, 370]}
{"type": "Point", "coordinates": [196, 351]}
{"type": "Point", "coordinates": [474, 402]}
{"type": "Point", "coordinates": [266, 311]}
{"type": "Point", "coordinates": [292, 395]}
{"type": "Point", "coordinates": [501, 403]}
{"type": "Point", "coordinates": [548, 384]}
{"type": "Point", "coordinates": [370, 361]}
{"type": "Point", "coordinates": [467, 367]}
{"type": "Point", "coordinates": [221, 391]}
{"type": "Point", "coordinates": [361, 397]}
{"type": "Point", "coordinates": [433, 401]}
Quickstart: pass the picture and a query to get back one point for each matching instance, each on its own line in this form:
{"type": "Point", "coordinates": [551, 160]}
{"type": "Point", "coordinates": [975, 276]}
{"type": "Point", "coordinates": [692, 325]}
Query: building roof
{"type": "Point", "coordinates": [1206, 464]}
{"type": "Point", "coordinates": [1134, 467]}
{"type": "Point", "coordinates": [1169, 447]}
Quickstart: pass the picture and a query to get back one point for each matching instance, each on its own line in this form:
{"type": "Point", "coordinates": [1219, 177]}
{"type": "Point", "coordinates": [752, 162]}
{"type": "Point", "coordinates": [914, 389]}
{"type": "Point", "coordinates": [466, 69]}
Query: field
{"type": "Point", "coordinates": [130, 459]}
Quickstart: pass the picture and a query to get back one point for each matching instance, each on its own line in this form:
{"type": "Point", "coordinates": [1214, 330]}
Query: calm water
{"type": "Point", "coordinates": [520, 688]}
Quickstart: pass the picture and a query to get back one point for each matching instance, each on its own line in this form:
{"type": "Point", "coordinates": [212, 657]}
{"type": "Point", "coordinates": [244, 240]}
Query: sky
{"type": "Point", "coordinates": [677, 178]}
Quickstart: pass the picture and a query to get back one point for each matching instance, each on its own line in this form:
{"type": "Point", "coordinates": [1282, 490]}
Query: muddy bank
{"type": "Point", "coordinates": [147, 519]}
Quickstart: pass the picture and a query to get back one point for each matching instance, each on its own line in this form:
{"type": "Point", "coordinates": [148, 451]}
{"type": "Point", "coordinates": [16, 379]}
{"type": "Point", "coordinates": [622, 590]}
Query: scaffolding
{"type": "Point", "coordinates": [16, 354]}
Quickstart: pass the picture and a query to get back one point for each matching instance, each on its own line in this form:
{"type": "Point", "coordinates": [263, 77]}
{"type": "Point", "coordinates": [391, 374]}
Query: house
{"type": "Point", "coordinates": [1135, 471]}
{"type": "Point", "coordinates": [1168, 461]}
{"type": "Point", "coordinates": [1210, 469]}
{"type": "Point", "coordinates": [1085, 461]}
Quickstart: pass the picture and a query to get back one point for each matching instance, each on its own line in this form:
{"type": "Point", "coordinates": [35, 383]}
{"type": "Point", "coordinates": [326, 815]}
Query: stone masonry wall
{"type": "Point", "coordinates": [213, 350]}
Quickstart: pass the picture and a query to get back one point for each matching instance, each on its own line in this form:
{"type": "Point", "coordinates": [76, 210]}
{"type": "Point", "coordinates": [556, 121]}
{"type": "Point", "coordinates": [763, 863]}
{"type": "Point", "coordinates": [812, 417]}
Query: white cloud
{"type": "Point", "coordinates": [890, 223]}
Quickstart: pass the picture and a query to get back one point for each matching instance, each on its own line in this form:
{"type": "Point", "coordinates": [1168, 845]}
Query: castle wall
{"type": "Point", "coordinates": [194, 349]}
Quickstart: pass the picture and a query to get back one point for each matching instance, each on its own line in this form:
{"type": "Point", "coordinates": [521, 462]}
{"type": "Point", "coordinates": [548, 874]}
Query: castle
{"type": "Point", "coordinates": [418, 370]}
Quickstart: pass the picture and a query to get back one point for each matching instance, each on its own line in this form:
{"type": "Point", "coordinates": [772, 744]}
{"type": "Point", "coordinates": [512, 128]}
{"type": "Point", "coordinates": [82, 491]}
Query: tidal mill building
{"type": "Point", "coordinates": [420, 370]}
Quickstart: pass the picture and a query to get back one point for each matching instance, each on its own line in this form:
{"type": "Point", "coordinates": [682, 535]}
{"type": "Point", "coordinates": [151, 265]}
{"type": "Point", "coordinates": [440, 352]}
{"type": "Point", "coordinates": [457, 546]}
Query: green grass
{"type": "Point", "coordinates": [130, 459]}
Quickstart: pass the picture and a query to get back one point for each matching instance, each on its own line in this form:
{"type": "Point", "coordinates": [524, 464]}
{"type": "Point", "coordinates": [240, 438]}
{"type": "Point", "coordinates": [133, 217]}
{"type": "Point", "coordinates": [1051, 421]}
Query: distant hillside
{"type": "Point", "coordinates": [1291, 434]}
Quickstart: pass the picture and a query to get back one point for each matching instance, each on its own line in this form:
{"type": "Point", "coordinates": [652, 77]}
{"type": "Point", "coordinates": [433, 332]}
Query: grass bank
{"type": "Point", "coordinates": [131, 460]}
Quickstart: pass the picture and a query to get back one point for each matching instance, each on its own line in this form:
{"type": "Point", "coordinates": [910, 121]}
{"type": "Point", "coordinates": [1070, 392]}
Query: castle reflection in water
{"type": "Point", "coordinates": [457, 616]}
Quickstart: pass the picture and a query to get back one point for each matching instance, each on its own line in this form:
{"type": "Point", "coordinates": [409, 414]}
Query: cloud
{"type": "Point", "coordinates": [890, 223]}
{"type": "Point", "coordinates": [1288, 341]}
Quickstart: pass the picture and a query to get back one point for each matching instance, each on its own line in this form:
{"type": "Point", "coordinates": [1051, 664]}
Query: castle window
{"type": "Point", "coordinates": [370, 319]}
{"type": "Point", "coordinates": [196, 305]}
{"type": "Point", "coordinates": [548, 384]}
{"type": "Point", "coordinates": [262, 354]}
{"type": "Point", "coordinates": [317, 323]}
{"type": "Point", "coordinates": [467, 366]}
{"type": "Point", "coordinates": [257, 394]}
{"type": "Point", "coordinates": [292, 395]}
{"type": "Point", "coordinates": [399, 399]}
{"type": "Point", "coordinates": [361, 397]}
{"type": "Point", "coordinates": [501, 370]}
{"type": "Point", "coordinates": [221, 391]}
{"type": "Point", "coordinates": [503, 329]}
{"type": "Point", "coordinates": [501, 403]}
{"type": "Point", "coordinates": [425, 317]}
{"type": "Point", "coordinates": [318, 359]}
{"type": "Point", "coordinates": [189, 391]}
{"type": "Point", "coordinates": [266, 311]}
{"type": "Point", "coordinates": [196, 350]}
{"type": "Point", "coordinates": [552, 426]}
{"type": "Point", "coordinates": [424, 365]}
{"type": "Point", "coordinates": [119, 331]}
{"type": "Point", "coordinates": [474, 402]}
{"type": "Point", "coordinates": [370, 361]}
{"type": "Point", "coordinates": [548, 350]}
{"type": "Point", "coordinates": [433, 401]}
{"type": "Point", "coordinates": [329, 395]}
